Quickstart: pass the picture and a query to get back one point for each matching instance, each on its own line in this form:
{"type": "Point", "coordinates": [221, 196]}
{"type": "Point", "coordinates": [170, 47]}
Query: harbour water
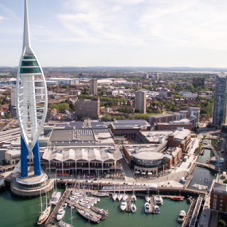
{"type": "Point", "coordinates": [208, 154]}
{"type": "Point", "coordinates": [24, 213]}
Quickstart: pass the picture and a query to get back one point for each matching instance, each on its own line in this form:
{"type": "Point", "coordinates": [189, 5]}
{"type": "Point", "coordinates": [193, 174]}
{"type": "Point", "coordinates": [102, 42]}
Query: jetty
{"type": "Point", "coordinates": [128, 201]}
{"type": "Point", "coordinates": [59, 205]}
{"type": "Point", "coordinates": [189, 213]}
{"type": "Point", "coordinates": [152, 204]}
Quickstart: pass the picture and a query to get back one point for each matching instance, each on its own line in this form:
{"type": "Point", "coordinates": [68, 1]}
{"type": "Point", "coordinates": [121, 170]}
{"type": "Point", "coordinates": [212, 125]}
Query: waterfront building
{"type": "Point", "coordinates": [141, 101]}
{"type": "Point", "coordinates": [128, 128]}
{"type": "Point", "coordinates": [82, 160]}
{"type": "Point", "coordinates": [93, 86]}
{"type": "Point", "coordinates": [146, 159]}
{"type": "Point", "coordinates": [87, 108]}
{"type": "Point", "coordinates": [180, 138]}
{"type": "Point", "coordinates": [218, 197]}
{"type": "Point", "coordinates": [220, 100]}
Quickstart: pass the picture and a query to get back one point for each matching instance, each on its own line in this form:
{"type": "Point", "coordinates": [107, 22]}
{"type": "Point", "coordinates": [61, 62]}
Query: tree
{"type": "Point", "coordinates": [72, 107]}
{"type": "Point", "coordinates": [54, 106]}
{"type": "Point", "coordinates": [221, 223]}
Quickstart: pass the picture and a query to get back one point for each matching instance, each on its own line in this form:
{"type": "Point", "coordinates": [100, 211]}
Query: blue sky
{"type": "Point", "coordinates": [161, 33]}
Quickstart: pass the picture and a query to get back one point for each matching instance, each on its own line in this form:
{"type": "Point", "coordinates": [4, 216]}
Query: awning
{"type": "Point", "coordinates": [150, 173]}
{"type": "Point", "coordinates": [137, 172]}
{"type": "Point", "coordinates": [143, 173]}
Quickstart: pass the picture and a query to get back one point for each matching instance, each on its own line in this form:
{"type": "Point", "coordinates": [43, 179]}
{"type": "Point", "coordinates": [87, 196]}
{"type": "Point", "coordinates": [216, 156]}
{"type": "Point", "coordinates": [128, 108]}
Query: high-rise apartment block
{"type": "Point", "coordinates": [93, 86]}
{"type": "Point", "coordinates": [140, 101]}
{"type": "Point", "coordinates": [220, 99]}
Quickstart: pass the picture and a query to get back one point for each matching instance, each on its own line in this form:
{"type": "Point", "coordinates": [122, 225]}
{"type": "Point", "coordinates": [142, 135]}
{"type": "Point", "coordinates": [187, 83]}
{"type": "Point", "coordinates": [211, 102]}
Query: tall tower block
{"type": "Point", "coordinates": [31, 102]}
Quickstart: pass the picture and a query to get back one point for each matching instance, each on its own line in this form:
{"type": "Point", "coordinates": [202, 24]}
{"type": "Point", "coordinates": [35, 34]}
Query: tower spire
{"type": "Point", "coordinates": [26, 39]}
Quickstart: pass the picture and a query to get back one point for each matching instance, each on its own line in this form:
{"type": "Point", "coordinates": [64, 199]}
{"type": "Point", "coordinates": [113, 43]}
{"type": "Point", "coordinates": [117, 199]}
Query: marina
{"type": "Point", "coordinates": [31, 207]}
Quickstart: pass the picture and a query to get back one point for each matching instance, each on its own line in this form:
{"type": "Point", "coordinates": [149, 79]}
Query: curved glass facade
{"type": "Point", "coordinates": [145, 163]}
{"type": "Point", "coordinates": [29, 63]}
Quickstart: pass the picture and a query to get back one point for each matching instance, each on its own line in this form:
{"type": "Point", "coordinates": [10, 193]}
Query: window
{"type": "Point", "coordinates": [220, 208]}
{"type": "Point", "coordinates": [221, 197]}
{"type": "Point", "coordinates": [214, 207]}
{"type": "Point", "coordinates": [215, 196]}
{"type": "Point", "coordinates": [221, 201]}
{"type": "Point", "coordinates": [221, 205]}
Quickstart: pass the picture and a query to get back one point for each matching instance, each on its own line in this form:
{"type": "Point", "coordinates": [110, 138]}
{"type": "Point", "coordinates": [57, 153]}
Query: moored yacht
{"type": "Point", "coordinates": [133, 208]}
{"type": "Point", "coordinates": [156, 209]}
{"type": "Point", "coordinates": [60, 214]}
{"type": "Point", "coordinates": [125, 197]}
{"type": "Point", "coordinates": [44, 215]}
{"type": "Point", "coordinates": [181, 216]}
{"type": "Point", "coordinates": [133, 198]}
{"type": "Point", "coordinates": [114, 196]}
{"type": "Point", "coordinates": [147, 198]}
{"type": "Point", "coordinates": [119, 196]}
{"type": "Point", "coordinates": [55, 198]}
{"type": "Point", "coordinates": [123, 205]}
{"type": "Point", "coordinates": [147, 207]}
{"type": "Point", "coordinates": [158, 200]}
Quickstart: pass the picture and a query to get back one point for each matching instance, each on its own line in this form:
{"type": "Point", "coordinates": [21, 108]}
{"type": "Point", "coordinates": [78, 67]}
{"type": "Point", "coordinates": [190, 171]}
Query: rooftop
{"type": "Point", "coordinates": [130, 124]}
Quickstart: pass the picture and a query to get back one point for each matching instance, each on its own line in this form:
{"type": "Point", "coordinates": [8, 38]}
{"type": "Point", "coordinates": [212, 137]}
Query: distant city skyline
{"type": "Point", "coordinates": [117, 32]}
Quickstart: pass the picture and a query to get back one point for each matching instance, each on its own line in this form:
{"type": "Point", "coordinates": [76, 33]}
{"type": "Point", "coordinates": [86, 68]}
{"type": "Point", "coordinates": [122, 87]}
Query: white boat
{"type": "Point", "coordinates": [55, 198]}
{"type": "Point", "coordinates": [123, 205]}
{"type": "Point", "coordinates": [133, 198]}
{"type": "Point", "coordinates": [156, 209]}
{"type": "Point", "coordinates": [125, 197]}
{"type": "Point", "coordinates": [133, 208]}
{"type": "Point", "coordinates": [114, 196]}
{"type": "Point", "coordinates": [60, 214]}
{"type": "Point", "coordinates": [44, 214]}
{"type": "Point", "coordinates": [158, 200]}
{"type": "Point", "coordinates": [181, 216]}
{"type": "Point", "coordinates": [64, 205]}
{"type": "Point", "coordinates": [119, 196]}
{"type": "Point", "coordinates": [147, 198]}
{"type": "Point", "coordinates": [147, 207]}
{"type": "Point", "coordinates": [64, 224]}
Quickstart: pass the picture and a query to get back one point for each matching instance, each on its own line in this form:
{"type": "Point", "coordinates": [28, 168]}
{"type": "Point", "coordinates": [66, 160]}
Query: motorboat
{"type": "Point", "coordinates": [181, 216]}
{"type": "Point", "coordinates": [114, 196]}
{"type": "Point", "coordinates": [44, 215]}
{"type": "Point", "coordinates": [88, 215]}
{"type": "Point", "coordinates": [156, 209]}
{"type": "Point", "coordinates": [133, 208]}
{"type": "Point", "coordinates": [64, 224]}
{"type": "Point", "coordinates": [147, 208]}
{"type": "Point", "coordinates": [102, 212]}
{"type": "Point", "coordinates": [177, 198]}
{"type": "Point", "coordinates": [125, 197]}
{"type": "Point", "coordinates": [100, 194]}
{"type": "Point", "coordinates": [147, 198]}
{"type": "Point", "coordinates": [133, 198]}
{"type": "Point", "coordinates": [60, 214]}
{"type": "Point", "coordinates": [158, 200]}
{"type": "Point", "coordinates": [55, 198]}
{"type": "Point", "coordinates": [119, 196]}
{"type": "Point", "coordinates": [64, 205]}
{"type": "Point", "coordinates": [123, 205]}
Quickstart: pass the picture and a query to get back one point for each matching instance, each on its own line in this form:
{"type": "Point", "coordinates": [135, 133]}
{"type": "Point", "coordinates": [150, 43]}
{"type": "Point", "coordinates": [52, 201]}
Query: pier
{"type": "Point", "coordinates": [152, 204]}
{"type": "Point", "coordinates": [195, 213]}
{"type": "Point", "coordinates": [128, 208]}
{"type": "Point", "coordinates": [59, 205]}
{"type": "Point", "coordinates": [189, 213]}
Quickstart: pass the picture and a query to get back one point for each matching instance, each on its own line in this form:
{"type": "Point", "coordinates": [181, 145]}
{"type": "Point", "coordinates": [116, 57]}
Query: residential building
{"type": "Point", "coordinates": [93, 86]}
{"type": "Point", "coordinates": [193, 115]}
{"type": "Point", "coordinates": [218, 197]}
{"type": "Point", "coordinates": [87, 108]}
{"type": "Point", "coordinates": [220, 99]}
{"type": "Point", "coordinates": [140, 101]}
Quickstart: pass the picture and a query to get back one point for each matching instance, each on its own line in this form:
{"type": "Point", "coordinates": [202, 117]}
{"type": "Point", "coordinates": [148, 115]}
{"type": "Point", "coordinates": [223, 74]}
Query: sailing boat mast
{"type": "Point", "coordinates": [41, 204]}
